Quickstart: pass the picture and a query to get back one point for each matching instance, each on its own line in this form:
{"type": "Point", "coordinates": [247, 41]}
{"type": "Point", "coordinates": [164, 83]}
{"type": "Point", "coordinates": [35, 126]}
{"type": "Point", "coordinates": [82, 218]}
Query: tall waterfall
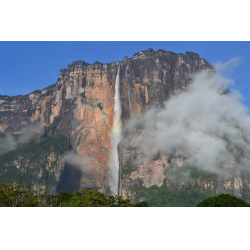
{"type": "Point", "coordinates": [116, 137]}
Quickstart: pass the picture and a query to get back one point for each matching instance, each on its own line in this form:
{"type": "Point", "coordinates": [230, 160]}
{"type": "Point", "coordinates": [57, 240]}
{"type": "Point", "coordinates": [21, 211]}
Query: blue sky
{"type": "Point", "coordinates": [27, 66]}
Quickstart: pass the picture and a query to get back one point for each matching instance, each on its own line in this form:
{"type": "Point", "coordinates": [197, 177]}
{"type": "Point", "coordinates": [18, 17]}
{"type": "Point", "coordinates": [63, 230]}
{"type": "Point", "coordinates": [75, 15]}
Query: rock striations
{"type": "Point", "coordinates": [80, 106]}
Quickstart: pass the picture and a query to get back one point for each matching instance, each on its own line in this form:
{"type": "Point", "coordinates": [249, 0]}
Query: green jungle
{"type": "Point", "coordinates": [15, 194]}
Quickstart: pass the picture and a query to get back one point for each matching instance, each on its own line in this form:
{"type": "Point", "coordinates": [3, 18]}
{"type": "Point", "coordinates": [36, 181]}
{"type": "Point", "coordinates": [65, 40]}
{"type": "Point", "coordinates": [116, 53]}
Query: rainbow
{"type": "Point", "coordinates": [115, 129]}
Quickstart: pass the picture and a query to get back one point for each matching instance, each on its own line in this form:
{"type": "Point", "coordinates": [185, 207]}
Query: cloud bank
{"type": "Point", "coordinates": [204, 124]}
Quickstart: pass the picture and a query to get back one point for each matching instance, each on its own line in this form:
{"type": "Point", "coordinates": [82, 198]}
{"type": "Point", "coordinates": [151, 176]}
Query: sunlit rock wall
{"type": "Point", "coordinates": [82, 100]}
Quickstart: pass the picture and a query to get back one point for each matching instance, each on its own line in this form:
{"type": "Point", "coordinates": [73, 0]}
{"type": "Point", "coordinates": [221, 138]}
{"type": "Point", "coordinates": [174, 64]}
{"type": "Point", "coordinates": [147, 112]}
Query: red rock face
{"type": "Point", "coordinates": [83, 99]}
{"type": "Point", "coordinates": [94, 114]}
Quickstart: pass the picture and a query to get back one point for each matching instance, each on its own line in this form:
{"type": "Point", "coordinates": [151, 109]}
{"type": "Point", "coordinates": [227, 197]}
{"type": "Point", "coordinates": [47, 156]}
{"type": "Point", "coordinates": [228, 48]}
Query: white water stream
{"type": "Point", "coordinates": [116, 137]}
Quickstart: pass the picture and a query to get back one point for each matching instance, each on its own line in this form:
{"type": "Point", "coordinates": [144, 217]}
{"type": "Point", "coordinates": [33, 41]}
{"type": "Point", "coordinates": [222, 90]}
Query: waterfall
{"type": "Point", "coordinates": [116, 137]}
{"type": "Point", "coordinates": [128, 82]}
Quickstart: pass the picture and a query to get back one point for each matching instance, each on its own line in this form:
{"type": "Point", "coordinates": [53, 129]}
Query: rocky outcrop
{"type": "Point", "coordinates": [149, 78]}
{"type": "Point", "coordinates": [80, 105]}
{"type": "Point", "coordinates": [38, 164]}
{"type": "Point", "coordinates": [139, 170]}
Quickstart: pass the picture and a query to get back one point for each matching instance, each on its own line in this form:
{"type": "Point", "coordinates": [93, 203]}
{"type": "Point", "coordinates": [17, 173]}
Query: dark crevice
{"type": "Point", "coordinates": [70, 179]}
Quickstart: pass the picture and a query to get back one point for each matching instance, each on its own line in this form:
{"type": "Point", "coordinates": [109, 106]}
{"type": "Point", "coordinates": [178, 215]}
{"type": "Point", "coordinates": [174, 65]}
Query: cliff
{"type": "Point", "coordinates": [80, 107]}
{"type": "Point", "coordinates": [163, 180]}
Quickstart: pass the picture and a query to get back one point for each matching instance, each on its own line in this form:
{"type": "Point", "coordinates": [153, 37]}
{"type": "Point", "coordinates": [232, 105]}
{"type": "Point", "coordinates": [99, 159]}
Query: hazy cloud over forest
{"type": "Point", "coordinates": [9, 142]}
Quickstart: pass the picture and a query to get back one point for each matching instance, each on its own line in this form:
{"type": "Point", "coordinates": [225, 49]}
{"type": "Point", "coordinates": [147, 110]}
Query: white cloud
{"type": "Point", "coordinates": [76, 160]}
{"type": "Point", "coordinates": [8, 142]}
{"type": "Point", "coordinates": [198, 123]}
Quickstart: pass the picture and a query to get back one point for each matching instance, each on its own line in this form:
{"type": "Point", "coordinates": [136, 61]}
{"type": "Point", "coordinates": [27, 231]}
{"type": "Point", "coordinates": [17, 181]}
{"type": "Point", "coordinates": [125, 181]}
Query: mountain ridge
{"type": "Point", "coordinates": [80, 106]}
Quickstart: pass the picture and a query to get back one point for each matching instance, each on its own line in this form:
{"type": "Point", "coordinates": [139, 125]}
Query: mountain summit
{"type": "Point", "coordinates": [70, 123]}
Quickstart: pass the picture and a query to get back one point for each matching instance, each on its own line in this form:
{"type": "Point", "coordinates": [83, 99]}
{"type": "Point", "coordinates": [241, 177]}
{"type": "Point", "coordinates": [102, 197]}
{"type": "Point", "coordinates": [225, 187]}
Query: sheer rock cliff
{"type": "Point", "coordinates": [80, 106]}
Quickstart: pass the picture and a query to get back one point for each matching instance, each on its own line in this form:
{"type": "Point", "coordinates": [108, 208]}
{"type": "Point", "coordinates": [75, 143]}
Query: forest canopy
{"type": "Point", "coordinates": [15, 194]}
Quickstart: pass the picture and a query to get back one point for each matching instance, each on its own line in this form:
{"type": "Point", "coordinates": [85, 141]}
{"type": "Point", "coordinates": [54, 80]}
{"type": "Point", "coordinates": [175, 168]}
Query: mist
{"type": "Point", "coordinates": [10, 142]}
{"type": "Point", "coordinates": [76, 160]}
{"type": "Point", "coordinates": [204, 124]}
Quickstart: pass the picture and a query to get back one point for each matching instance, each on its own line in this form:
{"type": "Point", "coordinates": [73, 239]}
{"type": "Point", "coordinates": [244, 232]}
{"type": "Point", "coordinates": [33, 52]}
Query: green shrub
{"type": "Point", "coordinates": [223, 200]}
{"type": "Point", "coordinates": [64, 197]}
{"type": "Point", "coordinates": [142, 204]}
{"type": "Point", "coordinates": [16, 195]}
{"type": "Point", "coordinates": [94, 198]}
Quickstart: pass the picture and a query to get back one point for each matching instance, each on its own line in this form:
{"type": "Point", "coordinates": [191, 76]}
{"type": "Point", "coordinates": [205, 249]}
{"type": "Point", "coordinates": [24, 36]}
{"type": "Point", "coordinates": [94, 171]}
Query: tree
{"type": "Point", "coordinates": [94, 198]}
{"type": "Point", "coordinates": [223, 200]}
{"type": "Point", "coordinates": [17, 195]}
{"type": "Point", "coordinates": [63, 197]}
{"type": "Point", "coordinates": [142, 204]}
